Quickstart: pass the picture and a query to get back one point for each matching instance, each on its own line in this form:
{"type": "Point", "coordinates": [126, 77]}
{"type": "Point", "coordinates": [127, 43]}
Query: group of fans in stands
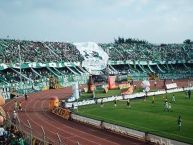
{"type": "Point", "coordinates": [11, 76]}
{"type": "Point", "coordinates": [31, 51]}
{"type": "Point", "coordinates": [148, 52]}
{"type": "Point", "coordinates": [11, 135]}
{"type": "Point", "coordinates": [134, 49]}
{"type": "Point", "coordinates": [35, 51]}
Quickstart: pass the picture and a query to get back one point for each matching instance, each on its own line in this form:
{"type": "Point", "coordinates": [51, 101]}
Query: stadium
{"type": "Point", "coordinates": [96, 93]}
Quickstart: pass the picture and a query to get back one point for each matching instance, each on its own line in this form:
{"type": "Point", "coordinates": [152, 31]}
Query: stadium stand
{"type": "Point", "coordinates": [132, 59]}
{"type": "Point", "coordinates": [37, 51]}
{"type": "Point", "coordinates": [148, 52]}
{"type": "Point", "coordinates": [11, 135]}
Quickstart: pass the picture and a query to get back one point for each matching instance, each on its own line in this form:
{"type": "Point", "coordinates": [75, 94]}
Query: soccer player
{"type": "Point", "coordinates": [189, 94]}
{"type": "Point", "coordinates": [145, 97]}
{"type": "Point", "coordinates": [169, 106]}
{"type": "Point", "coordinates": [166, 106]}
{"type": "Point", "coordinates": [102, 103]}
{"type": "Point", "coordinates": [166, 99]}
{"type": "Point", "coordinates": [153, 99]}
{"type": "Point", "coordinates": [115, 102]}
{"type": "Point", "coordinates": [173, 98]}
{"type": "Point", "coordinates": [128, 103]}
{"type": "Point", "coordinates": [179, 122]}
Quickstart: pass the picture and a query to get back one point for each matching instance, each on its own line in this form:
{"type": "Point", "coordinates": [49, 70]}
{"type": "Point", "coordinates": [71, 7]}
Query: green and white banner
{"type": "Point", "coordinates": [96, 62]}
{"type": "Point", "coordinates": [95, 58]}
{"type": "Point", "coordinates": [147, 62]}
{"type": "Point", "coordinates": [38, 65]}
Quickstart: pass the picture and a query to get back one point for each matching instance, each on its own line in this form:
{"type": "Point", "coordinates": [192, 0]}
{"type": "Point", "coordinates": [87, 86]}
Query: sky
{"type": "Point", "coordinates": [157, 21]}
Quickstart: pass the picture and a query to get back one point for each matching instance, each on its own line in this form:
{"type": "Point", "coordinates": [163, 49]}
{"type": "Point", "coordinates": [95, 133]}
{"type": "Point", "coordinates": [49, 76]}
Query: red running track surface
{"type": "Point", "coordinates": [35, 109]}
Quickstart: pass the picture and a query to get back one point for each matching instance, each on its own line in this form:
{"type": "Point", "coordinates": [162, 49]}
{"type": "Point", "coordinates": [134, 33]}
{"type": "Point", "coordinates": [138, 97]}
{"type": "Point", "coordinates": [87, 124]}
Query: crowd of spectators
{"type": "Point", "coordinates": [11, 136]}
{"type": "Point", "coordinates": [31, 51]}
{"type": "Point", "coordinates": [11, 76]}
{"type": "Point", "coordinates": [148, 52]}
{"type": "Point", "coordinates": [121, 49]}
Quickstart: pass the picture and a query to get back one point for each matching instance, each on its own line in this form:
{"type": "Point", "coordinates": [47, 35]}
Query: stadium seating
{"type": "Point", "coordinates": [37, 51]}
{"type": "Point", "coordinates": [148, 51]}
{"type": "Point", "coordinates": [61, 52]}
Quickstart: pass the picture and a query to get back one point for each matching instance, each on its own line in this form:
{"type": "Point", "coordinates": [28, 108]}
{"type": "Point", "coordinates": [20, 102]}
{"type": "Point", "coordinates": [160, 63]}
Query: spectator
{"type": "Point", "coordinates": [14, 117]}
{"type": "Point", "coordinates": [25, 96]}
{"type": "Point", "coordinates": [2, 133]}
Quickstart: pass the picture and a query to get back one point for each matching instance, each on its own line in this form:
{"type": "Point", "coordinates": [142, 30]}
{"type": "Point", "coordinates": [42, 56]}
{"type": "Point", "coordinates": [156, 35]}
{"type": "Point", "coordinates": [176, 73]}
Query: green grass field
{"type": "Point", "coordinates": [146, 116]}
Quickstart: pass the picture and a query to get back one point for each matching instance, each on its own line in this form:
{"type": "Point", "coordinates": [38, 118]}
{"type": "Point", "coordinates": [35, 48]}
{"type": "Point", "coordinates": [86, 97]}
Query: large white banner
{"type": "Point", "coordinates": [95, 58]}
{"type": "Point", "coordinates": [171, 86]}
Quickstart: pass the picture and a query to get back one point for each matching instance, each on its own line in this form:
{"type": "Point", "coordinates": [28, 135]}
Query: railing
{"type": "Point", "coordinates": [30, 135]}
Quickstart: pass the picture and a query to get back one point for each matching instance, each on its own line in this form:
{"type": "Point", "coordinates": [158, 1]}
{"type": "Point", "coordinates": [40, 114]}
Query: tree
{"type": "Point", "coordinates": [163, 45]}
{"type": "Point", "coordinates": [187, 41]}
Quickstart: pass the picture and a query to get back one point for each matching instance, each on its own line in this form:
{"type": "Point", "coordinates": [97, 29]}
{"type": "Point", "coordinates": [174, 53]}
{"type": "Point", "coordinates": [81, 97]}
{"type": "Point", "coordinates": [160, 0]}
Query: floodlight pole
{"type": "Point", "coordinates": [108, 62]}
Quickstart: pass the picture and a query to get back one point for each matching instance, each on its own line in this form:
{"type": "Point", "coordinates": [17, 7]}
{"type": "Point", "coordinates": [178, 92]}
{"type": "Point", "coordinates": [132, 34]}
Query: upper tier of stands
{"type": "Point", "coordinates": [35, 51]}
{"type": "Point", "coordinates": [145, 52]}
